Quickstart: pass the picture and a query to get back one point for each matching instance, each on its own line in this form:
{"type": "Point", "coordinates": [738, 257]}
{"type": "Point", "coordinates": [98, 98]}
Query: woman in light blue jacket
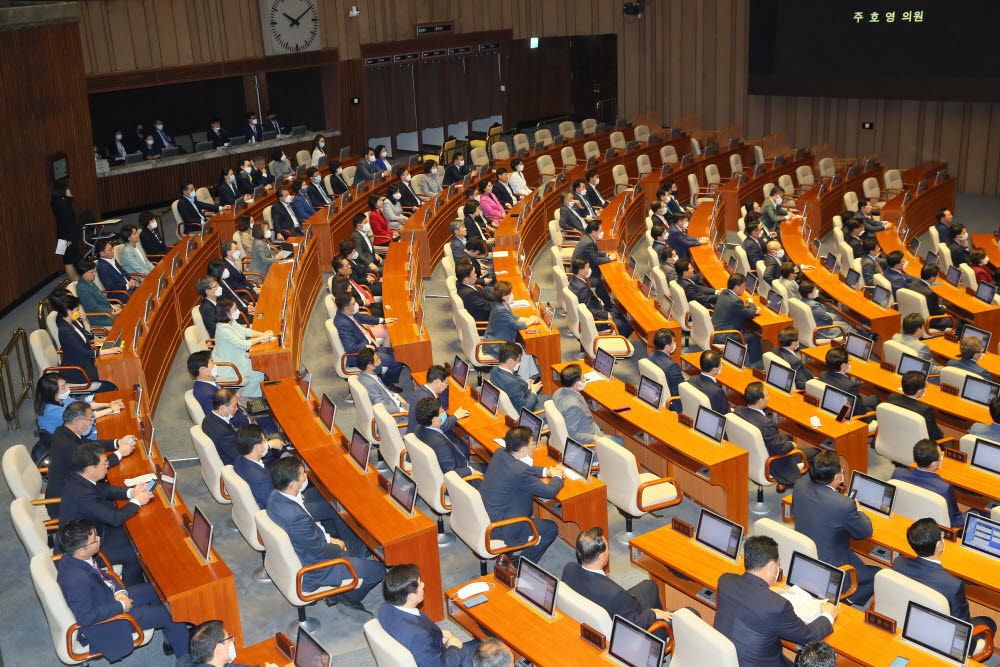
{"type": "Point", "coordinates": [133, 256]}
{"type": "Point", "coordinates": [232, 344]}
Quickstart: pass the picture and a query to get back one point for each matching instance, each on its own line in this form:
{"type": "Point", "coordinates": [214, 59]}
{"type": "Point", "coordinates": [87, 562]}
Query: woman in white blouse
{"type": "Point", "coordinates": [319, 143]}
{"type": "Point", "coordinates": [517, 184]}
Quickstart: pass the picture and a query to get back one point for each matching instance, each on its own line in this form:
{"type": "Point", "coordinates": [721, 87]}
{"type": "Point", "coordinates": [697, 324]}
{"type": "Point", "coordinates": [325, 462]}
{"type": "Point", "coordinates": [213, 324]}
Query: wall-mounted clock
{"type": "Point", "coordinates": [289, 26]}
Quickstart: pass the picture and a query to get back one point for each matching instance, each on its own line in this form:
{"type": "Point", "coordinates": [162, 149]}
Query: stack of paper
{"type": "Point", "coordinates": [593, 376]}
{"type": "Point", "coordinates": [805, 605]}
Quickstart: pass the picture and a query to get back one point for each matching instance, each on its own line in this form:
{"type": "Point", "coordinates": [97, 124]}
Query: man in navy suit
{"type": "Point", "coordinates": [894, 267]}
{"type": "Point", "coordinates": [218, 425]}
{"type": "Point", "coordinates": [113, 275]}
{"type": "Point", "coordinates": [355, 338]}
{"type": "Point", "coordinates": [693, 289]}
{"type": "Point", "coordinates": [315, 191]}
{"type": "Point", "coordinates": [505, 378]}
{"type": "Point", "coordinates": [832, 520]}
{"type": "Point", "coordinates": [285, 218]}
{"type": "Point", "coordinates": [204, 371]}
{"type": "Point", "coordinates": [213, 646]}
{"type": "Point", "coordinates": [970, 350]}
{"type": "Point", "coordinates": [753, 246]}
{"type": "Point", "coordinates": [838, 364]}
{"type": "Point", "coordinates": [706, 382]}
{"type": "Point", "coordinates": [216, 134]}
{"type": "Point", "coordinates": [663, 341]}
{"type": "Point", "coordinates": [943, 225]}
{"type": "Point", "coordinates": [95, 595]}
{"type": "Point", "coordinates": [236, 280]}
{"type": "Point", "coordinates": [478, 302]}
{"type": "Point", "coordinates": [456, 171]}
{"type": "Point", "coordinates": [924, 537]}
{"type": "Point", "coordinates": [190, 208]}
{"type": "Point", "coordinates": [587, 249]}
{"type": "Point", "coordinates": [754, 618]}
{"type": "Point", "coordinates": [784, 470]}
{"type": "Point", "coordinates": [85, 498]}
{"type": "Point", "coordinates": [252, 131]}
{"type": "Point", "coordinates": [927, 456]}
{"type": "Point", "coordinates": [436, 386]}
{"type": "Point", "coordinates": [582, 271]}
{"type": "Point", "coordinates": [928, 274]}
{"type": "Point", "coordinates": [914, 386]}
{"type": "Point", "coordinates": [788, 345]}
{"type": "Point", "coordinates": [399, 616]}
{"type": "Point", "coordinates": [679, 239]}
{"type": "Point", "coordinates": [312, 544]}
{"type": "Point", "coordinates": [430, 416]}
{"type": "Point", "coordinates": [210, 291]}
{"type": "Point", "coordinates": [509, 488]}
{"type": "Point", "coordinates": [161, 138]}
{"type": "Point", "coordinates": [569, 217]}
{"type": "Point", "coordinates": [668, 193]}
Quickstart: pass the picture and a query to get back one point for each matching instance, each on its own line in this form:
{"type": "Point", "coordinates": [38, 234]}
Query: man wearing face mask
{"type": "Point", "coordinates": [477, 301]}
{"type": "Point", "coordinates": [385, 392]}
{"type": "Point", "coordinates": [210, 291]}
{"type": "Point", "coordinates": [772, 214]}
{"type": "Point", "coordinates": [252, 131]}
{"type": "Point", "coordinates": [772, 261]}
{"type": "Point", "coordinates": [668, 259]}
{"type": "Point", "coordinates": [149, 151]}
{"type": "Point", "coordinates": [755, 618]}
{"type": "Point", "coordinates": [359, 271]}
{"type": "Point", "coordinates": [753, 245]}
{"type": "Point", "coordinates": [838, 365]}
{"type": "Point", "coordinates": [502, 190]}
{"type": "Point", "coordinates": [253, 465]}
{"type": "Point", "coordinates": [505, 378]}
{"type": "Point", "coordinates": [571, 404]}
{"type": "Point", "coordinates": [959, 244]}
{"type": "Point", "coordinates": [587, 249]}
{"type": "Point", "coordinates": [679, 239]}
{"type": "Point", "coordinates": [213, 646]}
{"type": "Point", "coordinates": [832, 520]}
{"type": "Point", "coordinates": [407, 196]}
{"type": "Point", "coordinates": [356, 338]}
{"type": "Point", "coordinates": [216, 135]}
{"type": "Point", "coordinates": [286, 221]}
{"type": "Point", "coordinates": [570, 219]}
{"type": "Point", "coordinates": [691, 284]}
{"type": "Point", "coordinates": [315, 191]}
{"type": "Point", "coordinates": [113, 275]}
{"type": "Point", "coordinates": [190, 208]}
{"type": "Point", "coordinates": [593, 194]}
{"type": "Point", "coordinates": [872, 261]}
{"type": "Point", "coordinates": [731, 312]}
{"type": "Point", "coordinates": [437, 387]}
{"type": "Point", "coordinates": [430, 416]}
{"type": "Point", "coordinates": [583, 207]}
{"type": "Point", "coordinates": [666, 345]}
{"type": "Point", "coordinates": [787, 352]}
{"type": "Point", "coordinates": [456, 171]}
{"type": "Point", "coordinates": [363, 244]}
{"type": "Point", "coordinates": [366, 169]}
{"type": "Point", "coordinates": [864, 214]}
{"type": "Point", "coordinates": [205, 373]}
{"type": "Point", "coordinates": [138, 139]}
{"type": "Point", "coordinates": [894, 272]}
{"type": "Point", "coordinates": [218, 425]}
{"type": "Point", "coordinates": [578, 286]}
{"type": "Point", "coordinates": [244, 181]}
{"type": "Point", "coordinates": [707, 381]}
{"type": "Point", "coordinates": [822, 315]}
{"type": "Point", "coordinates": [236, 280]}
{"type": "Point", "coordinates": [150, 235]}
{"type": "Point", "coordinates": [668, 195]}
{"type": "Point", "coordinates": [161, 138]}
{"type": "Point", "coordinates": [259, 175]}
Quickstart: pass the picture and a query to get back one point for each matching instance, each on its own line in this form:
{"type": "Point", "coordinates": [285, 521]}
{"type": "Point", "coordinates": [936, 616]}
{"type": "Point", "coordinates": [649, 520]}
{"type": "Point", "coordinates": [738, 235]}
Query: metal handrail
{"type": "Point", "coordinates": [13, 394]}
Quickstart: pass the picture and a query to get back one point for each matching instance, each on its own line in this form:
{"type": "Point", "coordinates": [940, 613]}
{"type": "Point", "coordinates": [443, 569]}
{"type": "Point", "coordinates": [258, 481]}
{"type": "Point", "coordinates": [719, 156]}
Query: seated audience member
{"type": "Point", "coordinates": [838, 365]}
{"type": "Point", "coordinates": [456, 171]}
{"type": "Point", "coordinates": [190, 208]}
{"type": "Point", "coordinates": [113, 275]}
{"type": "Point", "coordinates": [492, 208]}
{"type": "Point", "coordinates": [754, 244]}
{"type": "Point", "coordinates": [911, 336]}
{"type": "Point", "coordinates": [593, 194]}
{"type": "Point", "coordinates": [476, 252]}
{"type": "Point", "coordinates": [571, 404]}
{"type": "Point", "coordinates": [437, 386]}
{"type": "Point", "coordinates": [232, 344]}
{"type": "Point", "coordinates": [150, 236]}
{"type": "Point", "coordinates": [925, 538]}
{"type": "Point", "coordinates": [582, 272]}
{"type": "Point", "coordinates": [476, 224]}
{"type": "Point", "coordinates": [665, 345]}
{"type": "Point", "coordinates": [362, 237]}
{"type": "Point", "coordinates": [459, 238]}
{"type": "Point", "coordinates": [772, 213]}
{"type": "Point", "coordinates": [970, 352]}
{"type": "Point", "coordinates": [392, 210]}
{"type": "Point", "coordinates": [569, 219]}
{"type": "Point", "coordinates": [52, 398]}
{"type": "Point", "coordinates": [658, 232]}
{"type": "Point", "coordinates": [772, 261]}
{"type": "Point", "coordinates": [958, 244]}
{"type": "Point", "coordinates": [138, 139]}
{"type": "Point", "coordinates": [232, 255]}
{"type": "Point", "coordinates": [343, 281]}
{"type": "Point", "coordinates": [710, 363]}
{"type": "Point", "coordinates": [895, 265]}
{"type": "Point", "coordinates": [517, 183]}
{"type": "Point", "coordinates": [286, 221]}
{"type": "Point", "coordinates": [668, 260]}
{"type": "Point", "coordinates": [928, 456]}
{"type": "Point", "coordinates": [382, 233]}
{"type": "Point", "coordinates": [352, 325]}
{"type": "Point", "coordinates": [382, 159]}
{"type": "Point", "coordinates": [92, 299]}
{"type": "Point", "coordinates": [280, 167]}
{"type": "Point", "coordinates": [262, 254]}
{"type": "Point", "coordinates": [217, 135]}
{"type": "Point", "coordinates": [509, 487]}
{"type": "Point", "coordinates": [503, 324]}
{"type": "Point", "coordinates": [477, 301]}
{"type": "Point", "coordinates": [95, 595]}
{"type": "Point", "coordinates": [85, 497]}
{"type": "Point", "coordinates": [914, 385]}
{"type": "Point", "coordinates": [366, 169]}
{"type": "Point", "coordinates": [502, 189]}
{"type": "Point", "coordinates": [943, 225]}
{"type": "Point", "coordinates": [864, 214]}
{"type": "Point", "coordinates": [822, 317]}
{"type": "Point", "coordinates": [133, 256]}
{"type": "Point", "coordinates": [787, 352]}
{"type": "Point", "coordinates": [161, 138]}
{"type": "Point", "coordinates": [789, 275]}
{"type": "Point", "coordinates": [979, 261]}
{"type": "Point", "coordinates": [816, 654]}
{"type": "Point", "coordinates": [259, 175]}
{"type": "Point", "coordinates": [586, 248]}
{"type": "Point", "coordinates": [252, 131]}
{"type": "Point", "coordinates": [430, 417]}
{"type": "Point", "coordinates": [928, 278]}
{"type": "Point", "coordinates": [244, 301]}
{"type": "Point", "coordinates": [312, 544]}
{"type": "Point", "coordinates": [694, 291]}
{"type": "Point", "coordinates": [77, 340]}
{"type": "Point", "coordinates": [583, 207]}
{"type": "Point", "coordinates": [853, 229]}
{"type": "Point", "coordinates": [337, 180]}
{"type": "Point", "coordinates": [730, 313]}
{"type": "Point", "coordinates": [399, 616]}
{"type": "Point", "coordinates": [872, 261]}
{"type": "Point", "coordinates": [668, 193]}
{"type": "Point", "coordinates": [832, 520]}
{"type": "Point", "coordinates": [227, 190]}
{"type": "Point", "coordinates": [117, 148]}
{"type": "Point", "coordinates": [210, 291]}
{"type": "Point", "coordinates": [257, 455]}
{"type": "Point", "coordinates": [679, 239]}
{"type": "Point", "coordinates": [213, 646]}
{"type": "Point", "coordinates": [408, 198]}
{"type": "Point", "coordinates": [755, 618]}
{"type": "Point", "coordinates": [244, 180]}
{"type": "Point", "coordinates": [219, 424]}
{"type": "Point", "coordinates": [315, 192]}
{"type": "Point", "coordinates": [505, 378]}
{"type": "Point", "coordinates": [318, 151]}
{"type": "Point", "coordinates": [784, 470]}
{"type": "Point", "coordinates": [149, 149]}
{"type": "Point", "coordinates": [429, 186]}
{"type": "Point", "coordinates": [381, 390]}
{"type": "Point", "coordinates": [204, 371]}
{"type": "Point", "coordinates": [300, 202]}
{"type": "Point", "coordinates": [492, 653]}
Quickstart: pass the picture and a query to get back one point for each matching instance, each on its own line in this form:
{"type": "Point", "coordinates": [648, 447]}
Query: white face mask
{"type": "Point", "coordinates": [353, 255]}
{"type": "Point", "coordinates": [406, 178]}
{"type": "Point", "coordinates": [234, 316]}
{"type": "Point", "coordinates": [963, 237]}
{"type": "Point", "coordinates": [214, 371]}
{"type": "Point", "coordinates": [848, 369]}
{"type": "Point", "coordinates": [382, 155]}
{"type": "Point", "coordinates": [152, 224]}
{"type": "Point", "coordinates": [305, 485]}
{"type": "Point", "coordinates": [781, 253]}
{"type": "Point", "coordinates": [509, 299]}
{"type": "Point", "coordinates": [590, 272]}
{"type": "Point", "coordinates": [283, 158]}
{"type": "Point", "coordinates": [149, 142]}
{"type": "Point", "coordinates": [371, 158]}
{"type": "Point", "coordinates": [218, 291]}
{"type": "Point", "coordinates": [777, 201]}
{"type": "Point", "coordinates": [397, 196]}
{"type": "Point", "coordinates": [339, 171]}
{"type": "Point", "coordinates": [225, 273]}
{"type": "Point", "coordinates": [159, 127]}
{"type": "Point", "coordinates": [476, 197]}
{"type": "Point", "coordinates": [356, 309]}
{"type": "Point", "coordinates": [288, 199]}
{"type": "Point", "coordinates": [253, 121]}
{"type": "Point", "coordinates": [267, 233]}
{"type": "Point", "coordinates": [236, 256]}
{"type": "Point", "coordinates": [63, 396]}
{"type": "Point", "coordinates": [517, 366]}
{"type": "Point", "coordinates": [434, 171]}
{"type": "Point", "coordinates": [232, 652]}
{"type": "Point", "coordinates": [366, 228]}
{"type": "Point", "coordinates": [527, 460]}
{"type": "Point", "coordinates": [247, 169]}
{"type": "Point", "coordinates": [600, 235]}
{"type": "Point", "coordinates": [460, 163]}
{"type": "Point", "coordinates": [597, 181]}
{"type": "Point", "coordinates": [903, 264]}
{"type": "Point", "coordinates": [814, 296]}
{"type": "Point", "coordinates": [520, 167]}
{"type": "Point", "coordinates": [118, 136]}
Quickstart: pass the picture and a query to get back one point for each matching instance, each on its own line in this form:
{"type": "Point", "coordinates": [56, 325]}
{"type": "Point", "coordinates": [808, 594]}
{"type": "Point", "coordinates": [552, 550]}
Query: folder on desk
{"type": "Point", "coordinates": [805, 605]}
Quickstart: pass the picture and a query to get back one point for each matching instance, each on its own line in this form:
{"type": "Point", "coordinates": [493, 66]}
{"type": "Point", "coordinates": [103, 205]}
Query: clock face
{"type": "Point", "coordinates": [293, 24]}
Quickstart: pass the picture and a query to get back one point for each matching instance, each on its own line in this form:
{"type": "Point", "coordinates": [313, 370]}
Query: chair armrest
{"type": "Point", "coordinates": [402, 460]}
{"type": "Point", "coordinates": [239, 377]}
{"type": "Point", "coordinates": [444, 502]}
{"type": "Point", "coordinates": [115, 291]}
{"type": "Point", "coordinates": [947, 443]}
{"type": "Point", "coordinates": [614, 327]}
{"type": "Point", "coordinates": [222, 489]}
{"type": "Point", "coordinates": [137, 276]}
{"type": "Point", "coordinates": [658, 506]}
{"type": "Point", "coordinates": [180, 228]}
{"type": "Point", "coordinates": [607, 337]}
{"type": "Point", "coordinates": [319, 566]}
{"type": "Point", "coordinates": [853, 587]}
{"type": "Point", "coordinates": [343, 364]}
{"type": "Point", "coordinates": [509, 522]}
{"type": "Point", "coordinates": [954, 325]}
{"type": "Point", "coordinates": [254, 273]}
{"type": "Point", "coordinates": [72, 368]}
{"type": "Point", "coordinates": [664, 625]}
{"type": "Point", "coordinates": [728, 331]}
{"type": "Point", "coordinates": [157, 257]}
{"type": "Point", "coordinates": [374, 430]}
{"type": "Point", "coordinates": [481, 344]}
{"type": "Point", "coordinates": [136, 643]}
{"type": "Point", "coordinates": [771, 459]}
{"type": "Point", "coordinates": [45, 501]}
{"type": "Point", "coordinates": [111, 570]}
{"type": "Point", "coordinates": [100, 330]}
{"type": "Point", "coordinates": [988, 648]}
{"type": "Point", "coordinates": [843, 334]}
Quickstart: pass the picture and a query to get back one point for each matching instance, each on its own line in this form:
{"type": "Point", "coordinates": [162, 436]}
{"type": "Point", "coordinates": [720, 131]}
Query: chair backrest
{"type": "Point", "coordinates": [618, 141]}
{"type": "Point", "coordinates": [363, 406]}
{"type": "Point", "coordinates": [546, 167]}
{"type": "Point", "coordinates": [338, 349]}
{"type": "Point", "coordinates": [804, 175]}
{"type": "Point", "coordinates": [572, 305]}
{"type": "Point", "coordinates": [691, 399]}
{"type": "Point", "coordinates": [766, 190]}
{"type": "Point", "coordinates": [557, 426]}
{"type": "Point", "coordinates": [426, 472]}
{"type": "Point", "coordinates": [762, 286]}
{"type": "Point", "coordinates": [591, 149]}
{"type": "Point", "coordinates": [648, 369]}
{"type": "Point", "coordinates": [747, 436]}
{"type": "Point", "coordinates": [803, 319]}
{"type": "Point", "coordinates": [57, 612]}
{"type": "Point", "coordinates": [620, 175]}
{"type": "Point", "coordinates": [846, 257]}
{"type": "Point", "coordinates": [643, 164]}
{"type": "Point", "coordinates": [954, 376]}
{"type": "Point", "coordinates": [568, 156]}
{"type": "Point", "coordinates": [303, 157]}
{"type": "Point", "coordinates": [506, 407]}
{"type": "Point", "coordinates": [479, 156]}
{"type": "Point", "coordinates": [735, 165]}
{"type": "Point", "coordinates": [203, 195]}
{"type": "Point", "coordinates": [387, 651]}
{"type": "Point", "coordinates": [911, 302]}
{"type": "Point", "coordinates": [567, 129]}
{"type": "Point", "coordinates": [52, 327]}
{"type": "Point", "coordinates": [330, 304]}
{"type": "Point", "coordinates": [211, 464]}
{"type": "Point", "coordinates": [695, 146]}
{"type": "Point", "coordinates": [668, 155]}
{"type": "Point", "coordinates": [944, 256]}
{"type": "Point", "coordinates": [679, 306]}
{"type": "Point", "coordinates": [194, 409]}
{"type": "Point", "coordinates": [693, 186]}
{"type": "Point", "coordinates": [175, 212]}
{"type": "Point", "coordinates": [244, 507]}
{"type": "Point", "coordinates": [521, 142]}
{"type": "Point", "coordinates": [43, 352]}
{"type": "Point", "coordinates": [769, 358]}
{"type": "Point", "coordinates": [198, 322]}
{"type": "Point", "coordinates": [851, 201]}
{"type": "Point", "coordinates": [349, 172]}
{"type": "Point", "coordinates": [701, 325]}
{"type": "Point", "coordinates": [469, 519]}
{"type": "Point", "coordinates": [589, 125]}
{"type": "Point", "coordinates": [870, 187]}
{"type": "Point", "coordinates": [280, 560]}
{"type": "Point", "coordinates": [696, 643]}
{"type": "Point", "coordinates": [742, 261]}
{"type": "Point", "coordinates": [620, 472]}
{"type": "Point", "coordinates": [827, 168]}
{"type": "Point", "coordinates": [893, 351]}
{"type": "Point", "coordinates": [712, 174]}
{"type": "Point", "coordinates": [915, 502]}
{"type": "Point", "coordinates": [838, 224]}
{"type": "Point", "coordinates": [967, 443]}
{"type": "Point", "coordinates": [776, 286]}
{"type": "Point", "coordinates": [21, 473]}
{"type": "Point", "coordinates": [29, 527]}
{"type": "Point", "coordinates": [786, 184]}
{"type": "Point", "coordinates": [969, 279]}
{"type": "Point", "coordinates": [545, 136]}
{"type": "Point", "coordinates": [500, 151]}
{"type": "Point", "coordinates": [555, 235]}
{"type": "Point", "coordinates": [895, 591]}
{"type": "Point", "coordinates": [898, 429]}
{"type": "Point", "coordinates": [193, 340]}
{"type": "Point", "coordinates": [641, 133]}
{"type": "Point", "coordinates": [588, 330]}
{"type": "Point", "coordinates": [392, 447]}
{"type": "Point", "coordinates": [789, 540]}
{"type": "Point", "coordinates": [758, 155]}
{"type": "Point", "coordinates": [582, 610]}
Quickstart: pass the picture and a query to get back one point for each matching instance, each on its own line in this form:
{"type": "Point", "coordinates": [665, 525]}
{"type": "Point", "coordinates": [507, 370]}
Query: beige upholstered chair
{"type": "Point", "coordinates": [211, 464]}
{"type": "Point", "coordinates": [387, 651]}
{"type": "Point", "coordinates": [245, 510]}
{"type": "Point", "coordinates": [633, 492]}
{"type": "Point", "coordinates": [698, 644]}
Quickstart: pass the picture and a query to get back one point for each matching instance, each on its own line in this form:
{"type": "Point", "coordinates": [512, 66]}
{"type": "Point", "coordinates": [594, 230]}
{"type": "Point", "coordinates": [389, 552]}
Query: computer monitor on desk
{"type": "Point", "coordinates": [914, 246]}
{"type": "Point", "coordinates": [168, 481]}
{"type": "Point", "coordinates": [981, 534]}
{"type": "Point", "coordinates": [631, 646]}
{"type": "Point", "coordinates": [359, 450]}
{"type": "Point", "coordinates": [403, 490]}
{"type": "Point", "coordinates": [834, 400]}
{"type": "Point", "coordinates": [931, 257]}
{"type": "Point", "coordinates": [852, 279]}
{"type": "Point", "coordinates": [978, 390]}
{"type": "Point", "coordinates": [309, 652]}
{"type": "Point", "coordinates": [719, 534]}
{"type": "Point", "coordinates": [460, 371]}
{"type": "Point", "coordinates": [774, 302]}
{"type": "Point", "coordinates": [536, 587]}
{"type": "Point", "coordinates": [975, 332]}
{"type": "Point", "coordinates": [734, 353]}
{"type": "Point", "coordinates": [751, 283]}
{"type": "Point", "coordinates": [831, 262]}
{"type": "Point", "coordinates": [859, 346]}
{"type": "Point", "coordinates": [327, 412]}
{"type": "Point", "coordinates": [876, 495]}
{"type": "Point", "coordinates": [817, 578]}
{"type": "Point", "coordinates": [530, 421]}
{"type": "Point", "coordinates": [710, 423]}
{"type": "Point", "coordinates": [938, 633]}
{"type": "Point", "coordinates": [650, 392]}
{"type": "Point", "coordinates": [953, 277]}
{"type": "Point", "coordinates": [780, 377]}
{"type": "Point", "coordinates": [578, 459]}
{"type": "Point", "coordinates": [604, 363]}
{"type": "Point", "coordinates": [986, 456]}
{"type": "Point", "coordinates": [882, 296]}
{"type": "Point", "coordinates": [909, 362]}
{"type": "Point", "coordinates": [489, 397]}
{"type": "Point", "coordinates": [985, 292]}
{"type": "Point", "coordinates": [201, 534]}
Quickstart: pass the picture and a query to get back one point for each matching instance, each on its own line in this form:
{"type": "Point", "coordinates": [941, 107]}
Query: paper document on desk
{"type": "Point", "coordinates": [500, 253]}
{"type": "Point", "coordinates": [61, 246]}
{"type": "Point", "coordinates": [141, 479]}
{"type": "Point", "coordinates": [501, 442]}
{"type": "Point", "coordinates": [520, 303]}
{"type": "Point", "coordinates": [592, 376]}
{"type": "Point", "coordinates": [285, 253]}
{"type": "Point", "coordinates": [805, 605]}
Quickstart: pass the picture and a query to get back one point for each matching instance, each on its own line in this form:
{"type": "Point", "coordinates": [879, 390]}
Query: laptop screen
{"type": "Point", "coordinates": [986, 456]}
{"type": "Point", "coordinates": [305, 381]}
{"type": "Point", "coordinates": [774, 301]}
{"type": "Point", "coordinates": [874, 494]}
{"type": "Point", "coordinates": [882, 296]}
{"type": "Point", "coordinates": [168, 481]}
{"type": "Point", "coordinates": [909, 362]}
{"type": "Point", "coordinates": [858, 346]}
{"type": "Point", "coordinates": [734, 353]}
{"type": "Point", "coordinates": [982, 335]}
{"type": "Point", "coordinates": [938, 633]}
{"type": "Point", "coordinates": [201, 533]}
{"type": "Point", "coordinates": [632, 646]}
{"type": "Point", "coordinates": [327, 412]}
{"type": "Point", "coordinates": [536, 586]}
{"type": "Point", "coordinates": [604, 363]}
{"type": "Point", "coordinates": [831, 261]}
{"type": "Point", "coordinates": [709, 423]}
{"type": "Point", "coordinates": [981, 534]}
{"type": "Point", "coordinates": [852, 278]}
{"type": "Point", "coordinates": [403, 490]}
{"type": "Point", "coordinates": [719, 534]}
{"type": "Point", "coordinates": [953, 276]}
{"type": "Point", "coordinates": [931, 258]}
{"type": "Point", "coordinates": [979, 390]}
{"type": "Point", "coordinates": [489, 397]}
{"type": "Point", "coordinates": [751, 282]}
{"type": "Point", "coordinates": [531, 421]}
{"type": "Point", "coordinates": [780, 377]}
{"type": "Point", "coordinates": [308, 652]}
{"type": "Point", "coordinates": [578, 458]}
{"type": "Point", "coordinates": [460, 371]}
{"type": "Point", "coordinates": [914, 245]}
{"type": "Point", "coordinates": [650, 392]}
{"type": "Point", "coordinates": [732, 262]}
{"type": "Point", "coordinates": [631, 267]}
{"type": "Point", "coordinates": [986, 291]}
{"type": "Point", "coordinates": [834, 400]}
{"type": "Point", "coordinates": [359, 450]}
{"type": "Point", "coordinates": [820, 580]}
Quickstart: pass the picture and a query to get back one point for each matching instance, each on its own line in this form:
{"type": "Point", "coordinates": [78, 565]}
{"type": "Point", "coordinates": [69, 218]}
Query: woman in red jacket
{"type": "Point", "coordinates": [381, 233]}
{"type": "Point", "coordinates": [978, 261]}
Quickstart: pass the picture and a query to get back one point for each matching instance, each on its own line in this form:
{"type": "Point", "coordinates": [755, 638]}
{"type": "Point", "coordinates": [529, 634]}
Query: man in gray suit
{"type": "Point", "coordinates": [667, 258]}
{"type": "Point", "coordinates": [872, 261]}
{"type": "Point", "coordinates": [569, 218]}
{"type": "Point", "coordinates": [587, 249]}
{"type": "Point", "coordinates": [580, 424]}
{"type": "Point", "coordinates": [730, 311]}
{"type": "Point", "coordinates": [505, 378]}
{"type": "Point", "coordinates": [458, 234]}
{"type": "Point", "coordinates": [378, 393]}
{"type": "Point", "coordinates": [913, 332]}
{"type": "Point", "coordinates": [772, 214]}
{"type": "Point", "coordinates": [864, 214]}
{"type": "Point", "coordinates": [772, 262]}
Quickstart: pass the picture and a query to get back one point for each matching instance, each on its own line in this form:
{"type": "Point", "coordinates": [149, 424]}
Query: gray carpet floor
{"type": "Point", "coordinates": [263, 610]}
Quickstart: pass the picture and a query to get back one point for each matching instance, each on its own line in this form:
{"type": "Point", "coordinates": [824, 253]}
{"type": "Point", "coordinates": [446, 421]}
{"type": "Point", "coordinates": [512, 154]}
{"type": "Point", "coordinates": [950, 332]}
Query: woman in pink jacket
{"type": "Point", "coordinates": [492, 208]}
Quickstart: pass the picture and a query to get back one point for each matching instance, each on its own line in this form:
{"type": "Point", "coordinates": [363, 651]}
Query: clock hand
{"type": "Point", "coordinates": [291, 21]}
{"type": "Point", "coordinates": [301, 15]}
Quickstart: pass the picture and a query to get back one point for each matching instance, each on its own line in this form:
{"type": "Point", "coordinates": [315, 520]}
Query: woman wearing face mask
{"type": "Point", "coordinates": [67, 227]}
{"type": "Point", "coordinates": [382, 234]}
{"type": "Point", "coordinates": [117, 147]}
{"type": "Point", "coordinates": [337, 180]}
{"type": "Point", "coordinates": [392, 210]}
{"type": "Point", "coordinates": [430, 184]}
{"type": "Point", "coordinates": [319, 144]}
{"type": "Point", "coordinates": [149, 148]}
{"type": "Point", "coordinates": [382, 159]}
{"type": "Point", "coordinates": [75, 339]}
{"type": "Point", "coordinates": [262, 255]}
{"type": "Point", "coordinates": [151, 237]}
{"type": "Point", "coordinates": [227, 191]}
{"type": "Point", "coordinates": [244, 234]}
{"type": "Point", "coordinates": [504, 325]}
{"type": "Point", "coordinates": [978, 261]}
{"type": "Point", "coordinates": [280, 166]}
{"type": "Point", "coordinates": [517, 182]}
{"type": "Point", "coordinates": [51, 399]}
{"type": "Point", "coordinates": [244, 300]}
{"type": "Point", "coordinates": [492, 208]}
{"type": "Point", "coordinates": [232, 344]}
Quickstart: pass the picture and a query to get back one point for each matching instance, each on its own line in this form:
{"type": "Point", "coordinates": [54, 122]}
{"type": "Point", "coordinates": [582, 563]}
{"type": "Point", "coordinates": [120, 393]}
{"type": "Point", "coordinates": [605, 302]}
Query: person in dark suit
{"type": "Point", "coordinates": [78, 419]}
{"type": "Point", "coordinates": [85, 497]}
{"type": "Point", "coordinates": [583, 207]}
{"type": "Point", "coordinates": [753, 245]}
{"type": "Point", "coordinates": [244, 178]}
{"type": "Point", "coordinates": [219, 270]}
{"type": "Point", "coordinates": [76, 338]}
{"type": "Point", "coordinates": [286, 222]}
{"type": "Point", "coordinates": [366, 169]}
{"type": "Point", "coordinates": [924, 537]}
{"type": "Point", "coordinates": [505, 378]}
{"type": "Point", "coordinates": [970, 351]}
{"type": "Point", "coordinates": [569, 218]}
{"type": "Point", "coordinates": [478, 301]}
{"type": "Point", "coordinates": [204, 371]}
{"type": "Point", "coordinates": [832, 520]}
{"type": "Point", "coordinates": [252, 131]}
{"type": "Point", "coordinates": [665, 344]}
{"type": "Point", "coordinates": [408, 198]}
{"type": "Point", "coordinates": [990, 431]}
{"type": "Point", "coordinates": [363, 243]}
{"type": "Point", "coordinates": [895, 265]}
{"type": "Point", "coordinates": [259, 175]}
{"type": "Point", "coordinates": [593, 194]}
{"type": "Point", "coordinates": [217, 135]}
{"type": "Point", "coordinates": [784, 470]}
{"type": "Point", "coordinates": [509, 487]}
{"type": "Point", "coordinates": [337, 181]}
{"type": "Point", "coordinates": [315, 191]}
{"type": "Point", "coordinates": [678, 238]}
{"type": "Point", "coordinates": [232, 274]}
{"type": "Point", "coordinates": [788, 345]}
{"type": "Point", "coordinates": [113, 275]}
{"type": "Point", "coordinates": [872, 261]}
{"type": "Point", "coordinates": [731, 311]}
{"type": "Point", "coordinates": [149, 150]}
{"type": "Point", "coordinates": [456, 171]}
{"type": "Point", "coordinates": [658, 232]}
{"type": "Point", "coordinates": [360, 271]}
{"type": "Point", "coordinates": [430, 417]}
{"type": "Point", "coordinates": [150, 235]}
{"type": "Point", "coordinates": [864, 214]}
{"type": "Point", "coordinates": [640, 604]}
{"type": "Point", "coordinates": [363, 288]}
{"type": "Point", "coordinates": [822, 315]}
{"type": "Point", "coordinates": [754, 618]}
{"type": "Point", "coordinates": [928, 275]}
{"type": "Point", "coordinates": [668, 193]}
{"type": "Point", "coordinates": [959, 244]}
{"type": "Point", "coordinates": [502, 190]}
{"type": "Point", "coordinates": [300, 202]}
{"type": "Point", "coordinates": [772, 261]}
{"type": "Point", "coordinates": [706, 382]}
{"type": "Point", "coordinates": [118, 147]}
{"type": "Point", "coordinates": [838, 365]}
{"type": "Point", "coordinates": [399, 616]}
{"type": "Point", "coordinates": [355, 338]}
{"type": "Point", "coordinates": [218, 426]}
{"type": "Point", "coordinates": [914, 384]}
{"type": "Point", "coordinates": [437, 386]}
{"type": "Point", "coordinates": [212, 645]}
{"type": "Point", "coordinates": [587, 249]}
{"type": "Point", "coordinates": [943, 225]}
{"type": "Point", "coordinates": [853, 229]}
{"type": "Point", "coordinates": [476, 223]}
{"type": "Point", "coordinates": [582, 270]}
{"type": "Point", "coordinates": [95, 595]}
{"type": "Point", "coordinates": [476, 253]}
{"type": "Point", "coordinates": [210, 291]}
{"type": "Point", "coordinates": [459, 236]}
{"type": "Point", "coordinates": [286, 508]}
{"type": "Point", "coordinates": [190, 208]}
{"type": "Point", "coordinates": [927, 456]}
{"type": "Point", "coordinates": [772, 213]}
{"type": "Point", "coordinates": [503, 324]}
{"type": "Point", "coordinates": [694, 290]}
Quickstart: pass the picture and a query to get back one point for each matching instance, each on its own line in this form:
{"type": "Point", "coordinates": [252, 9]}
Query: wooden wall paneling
{"type": "Point", "coordinates": [143, 40]}
{"type": "Point", "coordinates": [976, 141]}
{"type": "Point", "coordinates": [991, 182]}
{"type": "Point", "coordinates": [166, 27]}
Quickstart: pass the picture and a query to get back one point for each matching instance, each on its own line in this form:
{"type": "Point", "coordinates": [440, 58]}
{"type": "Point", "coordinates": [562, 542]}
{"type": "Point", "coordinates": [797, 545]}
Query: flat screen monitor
{"type": "Point", "coordinates": [834, 400]}
{"type": "Point", "coordinates": [631, 267]}
{"type": "Point", "coordinates": [403, 490]}
{"type": "Point", "coordinates": [650, 392]}
{"type": "Point", "coordinates": [859, 346]}
{"type": "Point", "coordinates": [345, 153]}
{"type": "Point", "coordinates": [305, 382]}
{"type": "Point", "coordinates": [710, 423]}
{"type": "Point", "coordinates": [530, 421]}
{"type": "Point", "coordinates": [981, 534]}
{"type": "Point", "coordinates": [168, 481]}
{"type": "Point", "coordinates": [734, 353]}
{"type": "Point", "coordinates": [631, 646]}
{"type": "Point", "coordinates": [774, 301]}
{"type": "Point", "coordinates": [201, 533]}
{"type": "Point", "coordinates": [986, 291]}
{"type": "Point", "coordinates": [815, 577]}
{"type": "Point", "coordinates": [751, 282]}
{"type": "Point", "coordinates": [646, 286]}
{"type": "Point", "coordinates": [914, 246]}
{"type": "Point", "coordinates": [882, 296]}
{"type": "Point", "coordinates": [937, 633]}
{"type": "Point", "coordinates": [489, 397]}
{"type": "Point", "coordinates": [852, 278]}
{"type": "Point", "coordinates": [872, 493]}
{"type": "Point", "coordinates": [931, 257]}
{"type": "Point", "coordinates": [359, 450]}
{"type": "Point", "coordinates": [979, 390]}
{"type": "Point", "coordinates": [578, 458]}
{"type": "Point", "coordinates": [137, 398]}
{"type": "Point", "coordinates": [604, 363]}
{"type": "Point", "coordinates": [719, 534]}
{"type": "Point", "coordinates": [954, 276]}
{"type": "Point", "coordinates": [909, 362]}
{"type": "Point", "coordinates": [536, 586]}
{"type": "Point", "coordinates": [986, 456]}
{"type": "Point", "coordinates": [983, 335]}
{"type": "Point", "coordinates": [460, 371]}
{"type": "Point", "coordinates": [780, 377]}
{"type": "Point", "coordinates": [831, 262]}
{"type": "Point", "coordinates": [308, 651]}
{"type": "Point", "coordinates": [732, 262]}
{"type": "Point", "coordinates": [327, 412]}
{"type": "Point", "coordinates": [814, 247]}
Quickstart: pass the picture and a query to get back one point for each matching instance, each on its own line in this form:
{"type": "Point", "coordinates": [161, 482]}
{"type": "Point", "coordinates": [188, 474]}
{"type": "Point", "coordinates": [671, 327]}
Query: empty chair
{"type": "Point", "coordinates": [245, 515]}
{"type": "Point", "coordinates": [303, 157]}
{"type": "Point", "coordinates": [643, 165]}
{"type": "Point", "coordinates": [620, 176]}
{"type": "Point", "coordinates": [193, 340]}
{"type": "Point", "coordinates": [641, 133]}
{"type": "Point", "coordinates": [712, 176]}
{"type": "Point", "coordinates": [668, 155]}
{"type": "Point", "coordinates": [211, 464]}
{"type": "Point", "coordinates": [613, 343]}
{"type": "Point", "coordinates": [870, 187]}
{"type": "Point", "coordinates": [747, 436]}
{"type": "Point", "coordinates": [893, 180]}
{"type": "Point", "coordinates": [618, 141]}
{"type": "Point", "coordinates": [30, 527]}
{"type": "Point", "coordinates": [479, 157]}
{"type": "Point", "coordinates": [851, 201]}
{"type": "Point", "coordinates": [735, 165]}
{"type": "Point", "coordinates": [634, 493]}
{"type": "Point", "coordinates": [387, 651]}
{"type": "Point", "coordinates": [46, 358]}
{"type": "Point", "coordinates": [898, 429]}
{"type": "Point", "coordinates": [521, 142]}
{"type": "Point", "coordinates": [758, 155]}
{"type": "Point", "coordinates": [546, 168]}
{"type": "Point", "coordinates": [500, 151]}
{"type": "Point", "coordinates": [567, 129]}
{"type": "Point", "coordinates": [589, 125]}
{"type": "Point", "coordinates": [572, 306]}
{"type": "Point", "coordinates": [426, 472]}
{"type": "Point", "coordinates": [804, 175]}
{"type": "Point", "coordinates": [544, 136]}
{"type": "Point", "coordinates": [591, 150]}
{"type": "Point", "coordinates": [698, 644]}
{"type": "Point", "coordinates": [679, 307]}
{"type": "Point", "coordinates": [365, 420]}
{"type": "Point", "coordinates": [24, 480]}
{"type": "Point", "coordinates": [695, 147]}
{"type": "Point", "coordinates": [568, 156]}
{"type": "Point", "coordinates": [698, 193]}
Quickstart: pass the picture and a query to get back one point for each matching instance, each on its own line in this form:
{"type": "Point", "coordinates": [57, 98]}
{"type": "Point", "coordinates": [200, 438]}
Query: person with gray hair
{"type": "Point", "coordinates": [492, 652]}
